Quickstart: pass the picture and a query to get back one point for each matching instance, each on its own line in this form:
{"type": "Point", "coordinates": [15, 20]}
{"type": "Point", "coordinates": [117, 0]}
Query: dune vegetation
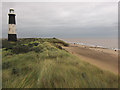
{"type": "Point", "coordinates": [43, 63]}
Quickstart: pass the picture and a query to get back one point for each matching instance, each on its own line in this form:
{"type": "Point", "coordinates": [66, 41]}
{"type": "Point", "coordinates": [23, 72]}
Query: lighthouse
{"type": "Point", "coordinates": [12, 36]}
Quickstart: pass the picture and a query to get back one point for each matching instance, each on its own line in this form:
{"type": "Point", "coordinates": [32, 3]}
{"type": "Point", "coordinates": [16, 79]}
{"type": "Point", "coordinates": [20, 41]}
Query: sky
{"type": "Point", "coordinates": [63, 19]}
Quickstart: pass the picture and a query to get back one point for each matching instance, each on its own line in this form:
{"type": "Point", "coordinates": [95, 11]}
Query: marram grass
{"type": "Point", "coordinates": [42, 64]}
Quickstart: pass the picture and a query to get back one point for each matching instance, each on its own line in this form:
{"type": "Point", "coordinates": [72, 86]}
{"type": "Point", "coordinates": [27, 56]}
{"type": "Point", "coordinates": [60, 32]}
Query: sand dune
{"type": "Point", "coordinates": [105, 59]}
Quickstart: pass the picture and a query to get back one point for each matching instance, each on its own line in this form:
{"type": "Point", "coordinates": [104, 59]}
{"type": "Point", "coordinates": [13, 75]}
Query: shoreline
{"type": "Point", "coordinates": [106, 43]}
{"type": "Point", "coordinates": [93, 46]}
{"type": "Point", "coordinates": [104, 49]}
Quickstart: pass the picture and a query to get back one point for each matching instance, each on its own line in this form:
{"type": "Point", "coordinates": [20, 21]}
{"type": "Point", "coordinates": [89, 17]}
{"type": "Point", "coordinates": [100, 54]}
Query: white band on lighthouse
{"type": "Point", "coordinates": [12, 29]}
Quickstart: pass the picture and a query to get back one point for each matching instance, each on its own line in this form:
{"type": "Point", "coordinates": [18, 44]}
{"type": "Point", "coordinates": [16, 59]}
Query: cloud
{"type": "Point", "coordinates": [63, 19]}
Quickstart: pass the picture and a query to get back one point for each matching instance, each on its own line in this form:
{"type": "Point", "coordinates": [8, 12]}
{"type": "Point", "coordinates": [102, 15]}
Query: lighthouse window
{"type": "Point", "coordinates": [11, 11]}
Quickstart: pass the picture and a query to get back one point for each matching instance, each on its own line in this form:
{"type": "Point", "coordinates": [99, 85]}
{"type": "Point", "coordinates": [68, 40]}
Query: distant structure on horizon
{"type": "Point", "coordinates": [12, 36]}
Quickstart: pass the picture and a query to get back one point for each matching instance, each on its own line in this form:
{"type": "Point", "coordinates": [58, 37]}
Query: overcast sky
{"type": "Point", "coordinates": [63, 20]}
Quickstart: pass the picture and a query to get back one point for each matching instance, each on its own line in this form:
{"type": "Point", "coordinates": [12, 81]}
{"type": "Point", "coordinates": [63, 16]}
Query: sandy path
{"type": "Point", "coordinates": [103, 58]}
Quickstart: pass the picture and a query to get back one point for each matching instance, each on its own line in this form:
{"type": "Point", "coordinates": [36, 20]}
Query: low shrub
{"type": "Point", "coordinates": [20, 49]}
{"type": "Point", "coordinates": [66, 44]}
{"type": "Point", "coordinates": [6, 65]}
{"type": "Point", "coordinates": [58, 46]}
{"type": "Point", "coordinates": [15, 71]}
{"type": "Point", "coordinates": [37, 49]}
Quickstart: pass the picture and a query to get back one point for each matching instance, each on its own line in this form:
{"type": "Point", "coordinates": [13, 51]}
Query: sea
{"type": "Point", "coordinates": [110, 43]}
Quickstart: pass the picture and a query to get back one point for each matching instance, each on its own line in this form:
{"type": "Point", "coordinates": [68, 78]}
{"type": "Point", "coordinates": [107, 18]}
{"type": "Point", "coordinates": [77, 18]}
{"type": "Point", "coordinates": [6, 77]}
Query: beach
{"type": "Point", "coordinates": [106, 59]}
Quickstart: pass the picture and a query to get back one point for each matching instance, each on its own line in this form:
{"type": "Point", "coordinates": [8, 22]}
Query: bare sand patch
{"type": "Point", "coordinates": [103, 58]}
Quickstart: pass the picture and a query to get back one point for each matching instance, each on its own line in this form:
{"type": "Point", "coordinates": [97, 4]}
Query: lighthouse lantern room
{"type": "Point", "coordinates": [12, 36]}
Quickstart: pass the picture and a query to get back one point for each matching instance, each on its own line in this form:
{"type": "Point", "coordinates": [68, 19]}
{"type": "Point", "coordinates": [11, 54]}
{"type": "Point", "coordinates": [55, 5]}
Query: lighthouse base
{"type": "Point", "coordinates": [12, 37]}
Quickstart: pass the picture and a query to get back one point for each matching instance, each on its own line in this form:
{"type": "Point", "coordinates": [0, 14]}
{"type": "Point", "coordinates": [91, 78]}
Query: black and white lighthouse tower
{"type": "Point", "coordinates": [12, 36]}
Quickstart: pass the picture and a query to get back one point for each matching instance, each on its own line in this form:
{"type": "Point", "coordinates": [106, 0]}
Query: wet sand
{"type": "Point", "coordinates": [103, 58]}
